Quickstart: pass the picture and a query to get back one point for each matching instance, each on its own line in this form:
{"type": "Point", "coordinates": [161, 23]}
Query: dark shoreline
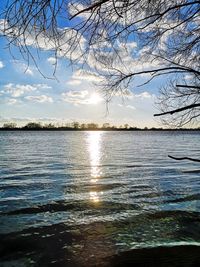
{"type": "Point", "coordinates": [101, 129]}
{"type": "Point", "coordinates": [52, 246]}
{"type": "Point", "coordinates": [179, 256]}
{"type": "Point", "coordinates": [172, 256]}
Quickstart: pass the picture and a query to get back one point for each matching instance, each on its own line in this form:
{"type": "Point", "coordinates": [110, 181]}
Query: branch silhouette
{"type": "Point", "coordinates": [171, 112]}
{"type": "Point", "coordinates": [184, 158]}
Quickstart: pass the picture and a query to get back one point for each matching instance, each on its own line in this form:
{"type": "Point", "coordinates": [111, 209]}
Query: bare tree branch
{"type": "Point", "coordinates": [171, 112]}
{"type": "Point", "coordinates": [89, 8]}
{"type": "Point", "coordinates": [184, 158]}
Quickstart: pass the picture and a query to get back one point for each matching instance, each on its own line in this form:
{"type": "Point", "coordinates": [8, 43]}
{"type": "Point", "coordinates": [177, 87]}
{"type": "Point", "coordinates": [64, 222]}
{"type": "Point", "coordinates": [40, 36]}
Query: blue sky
{"type": "Point", "coordinates": [25, 95]}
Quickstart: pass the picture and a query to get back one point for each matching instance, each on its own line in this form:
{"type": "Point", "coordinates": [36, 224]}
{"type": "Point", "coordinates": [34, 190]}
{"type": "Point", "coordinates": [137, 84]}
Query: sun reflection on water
{"type": "Point", "coordinates": [94, 196]}
{"type": "Point", "coordinates": [94, 140]}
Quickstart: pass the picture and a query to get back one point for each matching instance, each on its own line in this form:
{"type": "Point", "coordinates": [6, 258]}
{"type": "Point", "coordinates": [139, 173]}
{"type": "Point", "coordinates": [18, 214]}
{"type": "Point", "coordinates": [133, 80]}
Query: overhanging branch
{"type": "Point", "coordinates": [184, 158]}
{"type": "Point", "coordinates": [171, 112]}
{"type": "Point", "coordinates": [188, 86]}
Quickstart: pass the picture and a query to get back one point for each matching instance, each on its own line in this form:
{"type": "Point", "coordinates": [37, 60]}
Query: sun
{"type": "Point", "coordinates": [94, 99]}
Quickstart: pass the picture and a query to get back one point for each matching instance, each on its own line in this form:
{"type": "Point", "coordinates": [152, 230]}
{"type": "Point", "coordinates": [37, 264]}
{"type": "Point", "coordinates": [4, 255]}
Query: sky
{"type": "Point", "coordinates": [25, 95]}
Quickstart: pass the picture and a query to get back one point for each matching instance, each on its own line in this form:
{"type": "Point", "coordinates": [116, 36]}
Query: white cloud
{"type": "Point", "coordinates": [131, 107]}
{"type": "Point", "coordinates": [51, 60]}
{"type": "Point", "coordinates": [76, 7]}
{"type": "Point", "coordinates": [40, 99]}
{"type": "Point", "coordinates": [125, 93]}
{"type": "Point", "coordinates": [17, 90]}
{"type": "Point", "coordinates": [75, 97]}
{"type": "Point", "coordinates": [47, 42]}
{"type": "Point", "coordinates": [42, 86]}
{"type": "Point", "coordinates": [3, 25]}
{"type": "Point", "coordinates": [127, 106]}
{"type": "Point", "coordinates": [125, 62]}
{"type": "Point", "coordinates": [80, 94]}
{"type": "Point", "coordinates": [1, 64]}
{"type": "Point", "coordinates": [22, 67]}
{"type": "Point", "coordinates": [74, 82]}
{"type": "Point", "coordinates": [29, 71]}
{"type": "Point", "coordinates": [143, 95]}
{"type": "Point", "coordinates": [188, 77]}
{"type": "Point", "coordinates": [80, 76]}
{"type": "Point", "coordinates": [129, 46]}
{"type": "Point", "coordinates": [81, 97]}
{"type": "Point", "coordinates": [11, 101]}
{"type": "Point", "coordinates": [86, 75]}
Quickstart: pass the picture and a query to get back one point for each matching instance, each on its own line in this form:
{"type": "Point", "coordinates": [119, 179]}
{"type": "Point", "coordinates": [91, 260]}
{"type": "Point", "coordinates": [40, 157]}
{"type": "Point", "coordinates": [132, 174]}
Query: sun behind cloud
{"type": "Point", "coordinates": [95, 99]}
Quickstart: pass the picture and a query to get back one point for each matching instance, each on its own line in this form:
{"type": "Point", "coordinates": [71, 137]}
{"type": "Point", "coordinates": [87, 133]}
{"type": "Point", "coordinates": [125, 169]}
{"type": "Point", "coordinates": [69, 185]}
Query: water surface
{"type": "Point", "coordinates": [86, 198]}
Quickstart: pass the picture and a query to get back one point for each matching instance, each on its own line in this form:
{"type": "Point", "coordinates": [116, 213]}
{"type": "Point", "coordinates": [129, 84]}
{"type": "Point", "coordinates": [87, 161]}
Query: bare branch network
{"type": "Point", "coordinates": [122, 41]}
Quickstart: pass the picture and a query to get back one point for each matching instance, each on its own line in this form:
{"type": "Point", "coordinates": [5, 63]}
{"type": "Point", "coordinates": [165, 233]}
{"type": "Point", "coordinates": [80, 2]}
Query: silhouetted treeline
{"type": "Point", "coordinates": [76, 126]}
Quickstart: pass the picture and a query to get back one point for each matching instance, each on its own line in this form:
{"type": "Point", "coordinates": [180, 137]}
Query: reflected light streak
{"type": "Point", "coordinates": [94, 196]}
{"type": "Point", "coordinates": [94, 148]}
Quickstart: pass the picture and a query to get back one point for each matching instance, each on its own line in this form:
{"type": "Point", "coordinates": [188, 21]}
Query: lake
{"type": "Point", "coordinates": [97, 198]}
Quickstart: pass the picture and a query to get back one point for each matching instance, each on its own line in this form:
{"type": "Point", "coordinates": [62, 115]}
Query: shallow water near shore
{"type": "Point", "coordinates": [99, 199]}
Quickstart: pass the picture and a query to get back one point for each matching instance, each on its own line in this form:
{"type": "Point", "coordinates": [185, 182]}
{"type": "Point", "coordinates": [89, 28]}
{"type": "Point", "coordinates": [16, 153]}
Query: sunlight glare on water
{"type": "Point", "coordinates": [94, 140]}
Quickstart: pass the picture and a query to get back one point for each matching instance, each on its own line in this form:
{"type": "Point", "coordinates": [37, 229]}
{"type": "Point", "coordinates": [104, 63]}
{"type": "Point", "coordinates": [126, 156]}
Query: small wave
{"type": "Point", "coordinates": [184, 199]}
{"type": "Point", "coordinates": [105, 207]}
{"type": "Point", "coordinates": [87, 187]}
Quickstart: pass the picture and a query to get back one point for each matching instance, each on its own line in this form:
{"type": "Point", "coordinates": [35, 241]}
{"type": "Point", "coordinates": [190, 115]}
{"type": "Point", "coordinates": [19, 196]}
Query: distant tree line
{"type": "Point", "coordinates": [76, 126]}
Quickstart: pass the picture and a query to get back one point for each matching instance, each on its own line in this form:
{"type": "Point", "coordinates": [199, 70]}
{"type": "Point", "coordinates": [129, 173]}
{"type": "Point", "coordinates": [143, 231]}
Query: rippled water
{"type": "Point", "coordinates": [80, 198]}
